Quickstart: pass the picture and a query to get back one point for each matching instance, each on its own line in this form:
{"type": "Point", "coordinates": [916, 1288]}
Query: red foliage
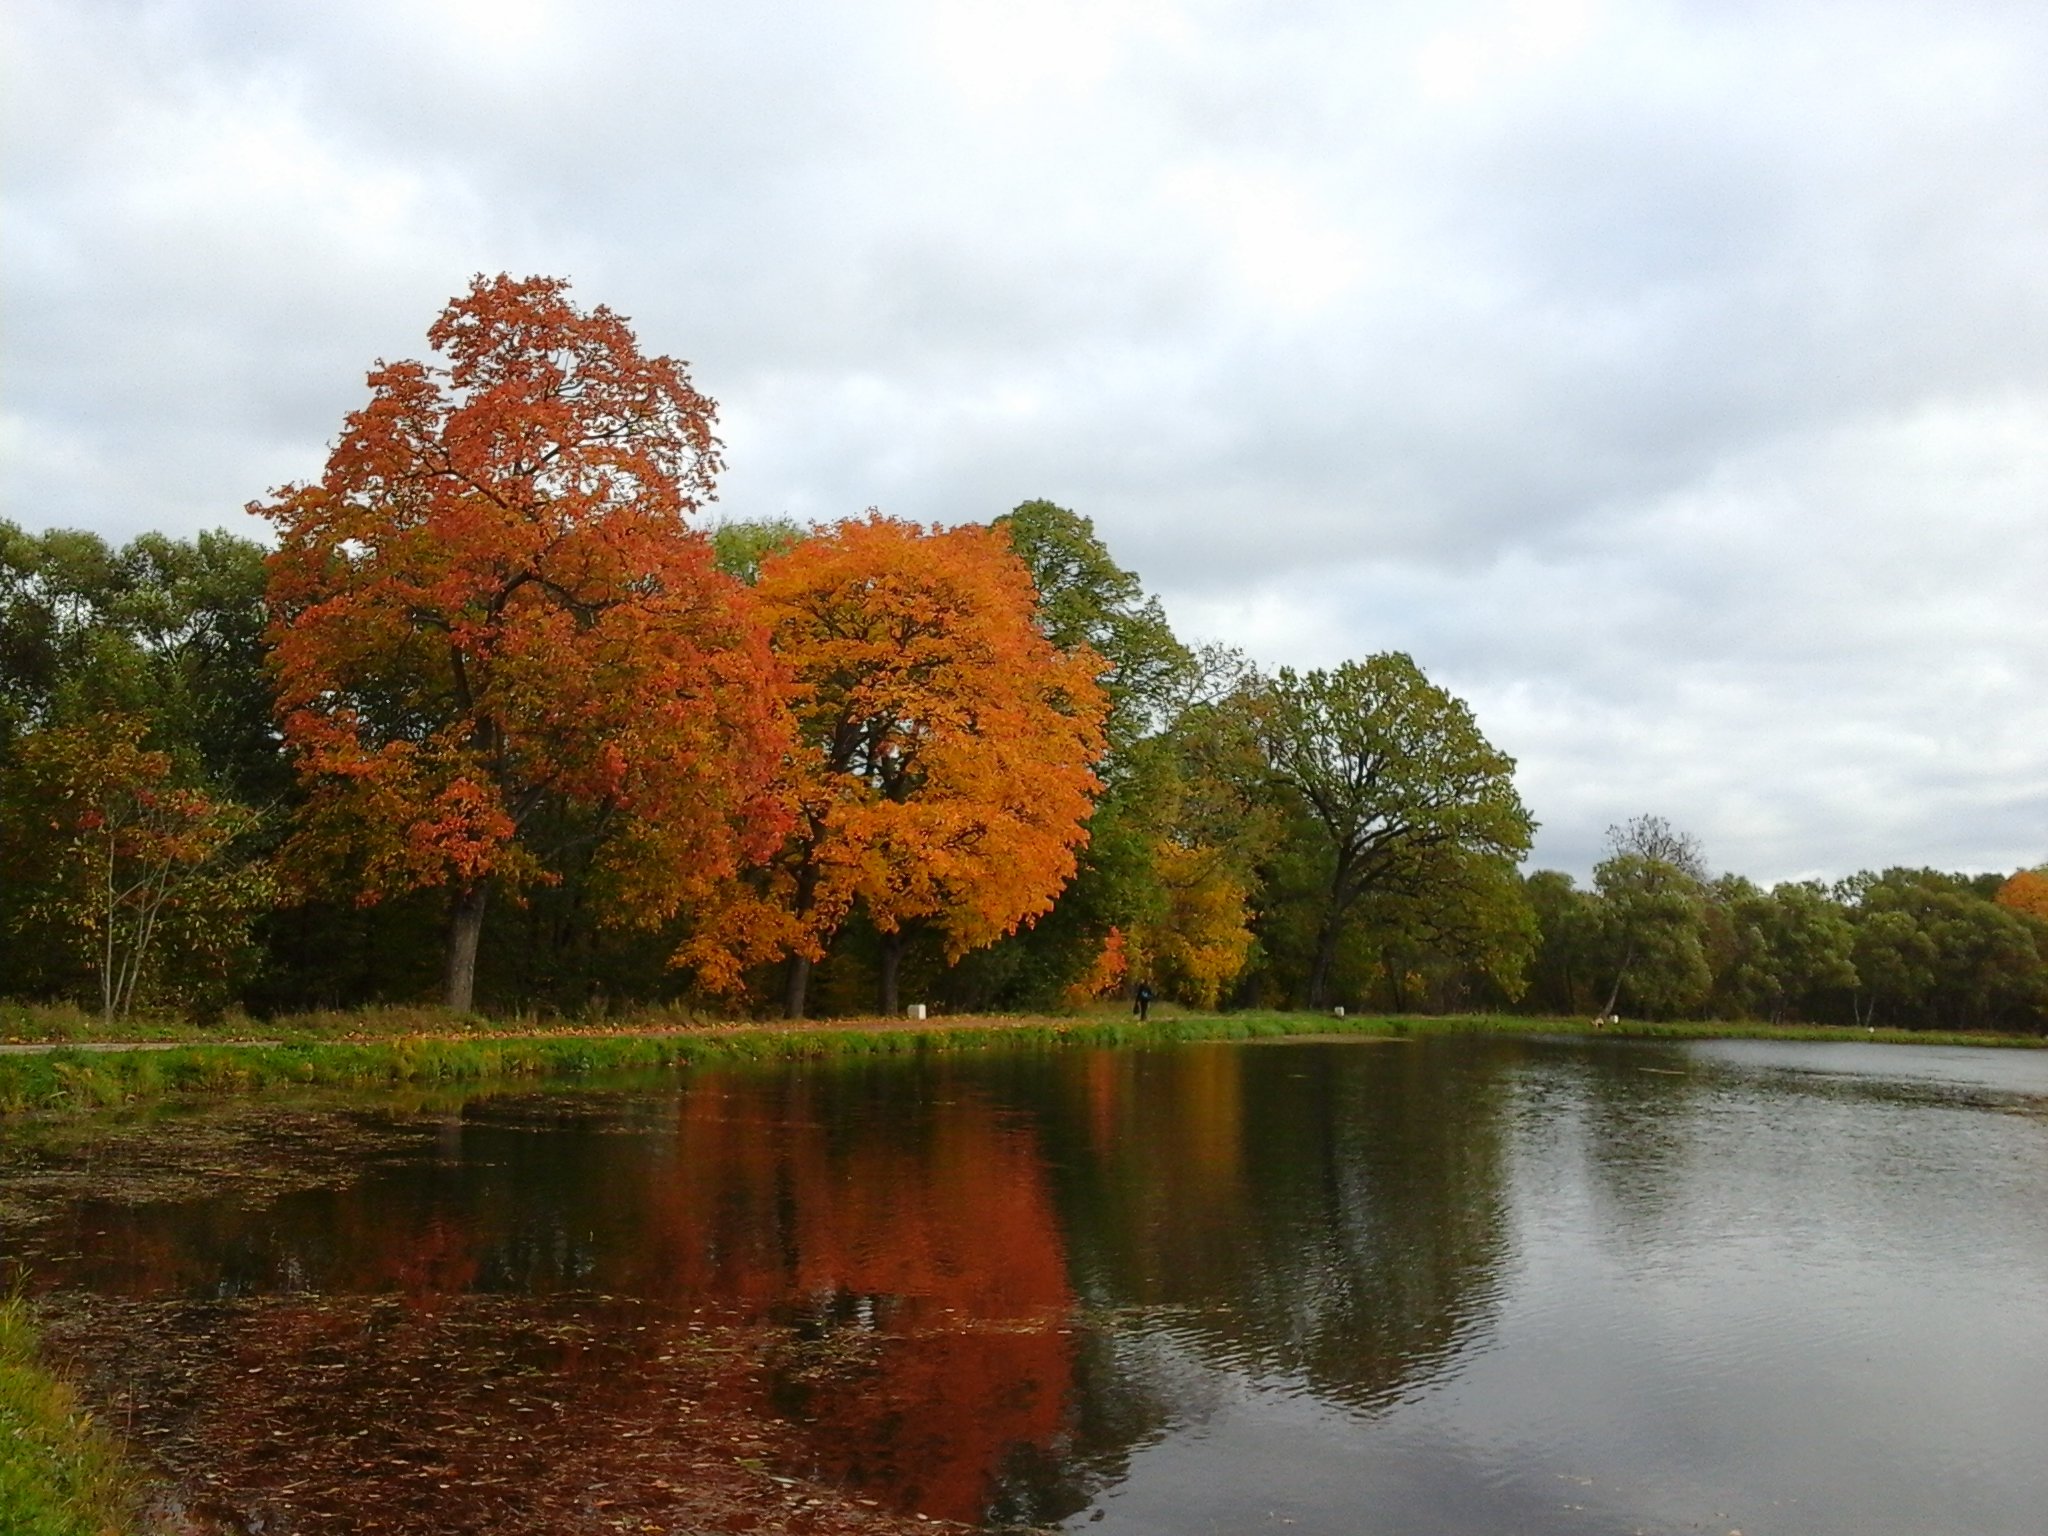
{"type": "Point", "coordinates": [490, 605]}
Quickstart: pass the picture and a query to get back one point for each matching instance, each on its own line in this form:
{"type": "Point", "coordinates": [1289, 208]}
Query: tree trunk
{"type": "Point", "coordinates": [893, 945]}
{"type": "Point", "coordinates": [796, 984]}
{"type": "Point", "coordinates": [1325, 962]}
{"type": "Point", "coordinates": [465, 927]}
{"type": "Point", "coordinates": [1344, 890]}
{"type": "Point", "coordinates": [109, 985]}
{"type": "Point", "coordinates": [1628, 957]}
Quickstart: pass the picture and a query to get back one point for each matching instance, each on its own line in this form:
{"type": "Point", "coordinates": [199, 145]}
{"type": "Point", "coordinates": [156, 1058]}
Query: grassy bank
{"type": "Point", "coordinates": [59, 1476]}
{"type": "Point", "coordinates": [72, 1077]}
{"type": "Point", "coordinates": [459, 1051]}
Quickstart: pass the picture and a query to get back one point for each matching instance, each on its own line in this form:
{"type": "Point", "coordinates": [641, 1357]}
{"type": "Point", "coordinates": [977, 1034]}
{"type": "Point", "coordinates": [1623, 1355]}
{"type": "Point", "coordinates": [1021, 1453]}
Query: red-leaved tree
{"type": "Point", "coordinates": [490, 606]}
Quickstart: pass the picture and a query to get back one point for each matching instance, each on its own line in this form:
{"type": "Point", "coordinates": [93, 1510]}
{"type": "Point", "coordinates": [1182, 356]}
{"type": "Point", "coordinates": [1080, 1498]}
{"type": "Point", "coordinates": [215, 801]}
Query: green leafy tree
{"type": "Point", "coordinates": [1128, 882]}
{"type": "Point", "coordinates": [1086, 599]}
{"type": "Point", "coordinates": [167, 629]}
{"type": "Point", "coordinates": [1454, 932]}
{"type": "Point", "coordinates": [1895, 964]}
{"type": "Point", "coordinates": [56, 631]}
{"type": "Point", "coordinates": [739, 547]}
{"type": "Point", "coordinates": [164, 636]}
{"type": "Point", "coordinates": [1218, 825]}
{"type": "Point", "coordinates": [1654, 918]}
{"type": "Point", "coordinates": [1934, 950]}
{"type": "Point", "coordinates": [1387, 773]}
{"type": "Point", "coordinates": [1792, 951]}
{"type": "Point", "coordinates": [1566, 969]}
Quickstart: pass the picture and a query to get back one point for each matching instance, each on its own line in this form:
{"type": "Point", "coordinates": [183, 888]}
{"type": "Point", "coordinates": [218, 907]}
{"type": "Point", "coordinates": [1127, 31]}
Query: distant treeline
{"type": "Point", "coordinates": [501, 721]}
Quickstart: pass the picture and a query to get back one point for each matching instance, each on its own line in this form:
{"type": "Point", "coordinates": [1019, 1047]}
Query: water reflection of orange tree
{"type": "Point", "coordinates": [920, 1263]}
{"type": "Point", "coordinates": [901, 1277]}
{"type": "Point", "coordinates": [912, 1255]}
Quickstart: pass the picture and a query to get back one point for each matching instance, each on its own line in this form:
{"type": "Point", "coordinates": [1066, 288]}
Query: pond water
{"type": "Point", "coordinates": [1449, 1285]}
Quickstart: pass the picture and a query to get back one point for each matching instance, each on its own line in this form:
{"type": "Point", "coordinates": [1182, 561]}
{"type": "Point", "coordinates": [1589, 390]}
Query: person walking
{"type": "Point", "coordinates": [1144, 1003]}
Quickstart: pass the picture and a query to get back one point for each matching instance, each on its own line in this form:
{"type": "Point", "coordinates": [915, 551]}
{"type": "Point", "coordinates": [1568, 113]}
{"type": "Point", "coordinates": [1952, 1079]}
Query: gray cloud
{"type": "Point", "coordinates": [1668, 380]}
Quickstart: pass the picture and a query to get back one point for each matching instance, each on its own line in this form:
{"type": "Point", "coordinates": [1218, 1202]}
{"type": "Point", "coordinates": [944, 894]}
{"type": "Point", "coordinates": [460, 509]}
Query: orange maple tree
{"type": "Point", "coordinates": [490, 605]}
{"type": "Point", "coordinates": [944, 771]}
{"type": "Point", "coordinates": [2027, 892]}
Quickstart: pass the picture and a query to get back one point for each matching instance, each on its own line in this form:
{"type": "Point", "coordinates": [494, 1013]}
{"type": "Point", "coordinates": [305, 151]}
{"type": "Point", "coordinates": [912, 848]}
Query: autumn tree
{"type": "Point", "coordinates": [1384, 769]}
{"type": "Point", "coordinates": [2026, 892]}
{"type": "Point", "coordinates": [1199, 944]}
{"type": "Point", "coordinates": [1200, 801]}
{"type": "Point", "coordinates": [119, 863]}
{"type": "Point", "coordinates": [490, 610]}
{"type": "Point", "coordinates": [943, 775]}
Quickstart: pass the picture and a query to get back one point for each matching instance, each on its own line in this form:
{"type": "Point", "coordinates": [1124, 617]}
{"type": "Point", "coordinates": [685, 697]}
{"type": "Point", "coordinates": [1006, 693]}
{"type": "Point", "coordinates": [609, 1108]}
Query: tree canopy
{"type": "Point", "coordinates": [944, 766]}
{"type": "Point", "coordinates": [1389, 771]}
{"type": "Point", "coordinates": [491, 604]}
{"type": "Point", "coordinates": [497, 662]}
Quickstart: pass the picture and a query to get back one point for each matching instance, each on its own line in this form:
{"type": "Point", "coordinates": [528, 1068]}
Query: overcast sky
{"type": "Point", "coordinates": [1671, 380]}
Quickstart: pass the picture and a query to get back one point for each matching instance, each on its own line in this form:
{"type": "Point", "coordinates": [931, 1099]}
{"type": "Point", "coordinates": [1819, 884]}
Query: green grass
{"type": "Point", "coordinates": [1514, 1024]}
{"type": "Point", "coordinates": [68, 1078]}
{"type": "Point", "coordinates": [59, 1475]}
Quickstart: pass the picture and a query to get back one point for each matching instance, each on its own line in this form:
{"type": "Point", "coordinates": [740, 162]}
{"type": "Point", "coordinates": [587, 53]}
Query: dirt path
{"type": "Point", "coordinates": [34, 1047]}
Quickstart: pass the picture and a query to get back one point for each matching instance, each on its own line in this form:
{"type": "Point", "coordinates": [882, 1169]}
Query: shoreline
{"type": "Point", "coordinates": [82, 1075]}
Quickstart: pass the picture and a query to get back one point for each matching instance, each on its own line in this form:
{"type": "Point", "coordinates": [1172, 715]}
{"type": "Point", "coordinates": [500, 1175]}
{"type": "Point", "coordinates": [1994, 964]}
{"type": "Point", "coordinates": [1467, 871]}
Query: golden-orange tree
{"type": "Point", "coordinates": [944, 769]}
{"type": "Point", "coordinates": [491, 606]}
{"type": "Point", "coordinates": [2027, 892]}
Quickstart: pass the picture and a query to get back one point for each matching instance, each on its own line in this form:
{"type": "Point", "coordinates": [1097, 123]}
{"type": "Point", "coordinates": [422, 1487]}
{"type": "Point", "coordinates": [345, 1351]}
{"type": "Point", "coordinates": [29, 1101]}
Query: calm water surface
{"type": "Point", "coordinates": [1439, 1286]}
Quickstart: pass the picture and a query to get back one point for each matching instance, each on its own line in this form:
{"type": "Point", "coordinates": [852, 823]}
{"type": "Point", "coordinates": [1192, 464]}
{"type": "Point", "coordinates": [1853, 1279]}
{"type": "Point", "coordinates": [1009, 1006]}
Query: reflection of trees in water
{"type": "Point", "coordinates": [973, 1278]}
{"type": "Point", "coordinates": [1333, 1215]}
{"type": "Point", "coordinates": [1634, 1108]}
{"type": "Point", "coordinates": [1749, 1139]}
{"type": "Point", "coordinates": [899, 1240]}
{"type": "Point", "coordinates": [910, 1240]}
